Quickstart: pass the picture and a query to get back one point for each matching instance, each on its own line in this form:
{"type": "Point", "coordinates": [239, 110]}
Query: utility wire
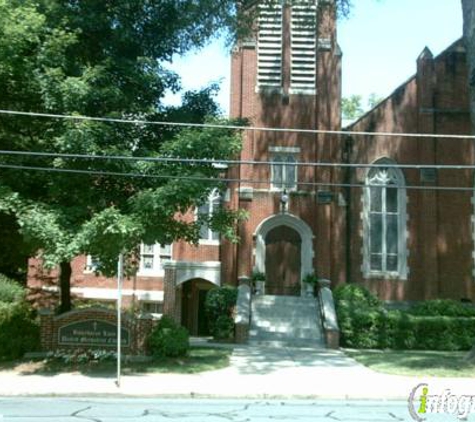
{"type": "Point", "coordinates": [237, 162]}
{"type": "Point", "coordinates": [231, 180]}
{"type": "Point", "coordinates": [233, 127]}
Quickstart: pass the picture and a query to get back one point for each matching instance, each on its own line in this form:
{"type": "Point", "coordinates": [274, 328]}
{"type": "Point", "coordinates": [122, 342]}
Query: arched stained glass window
{"type": "Point", "coordinates": [385, 251]}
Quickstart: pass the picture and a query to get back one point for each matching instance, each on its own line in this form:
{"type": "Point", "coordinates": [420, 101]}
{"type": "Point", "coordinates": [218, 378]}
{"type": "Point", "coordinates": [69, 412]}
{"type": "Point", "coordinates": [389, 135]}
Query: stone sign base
{"type": "Point", "coordinates": [94, 328]}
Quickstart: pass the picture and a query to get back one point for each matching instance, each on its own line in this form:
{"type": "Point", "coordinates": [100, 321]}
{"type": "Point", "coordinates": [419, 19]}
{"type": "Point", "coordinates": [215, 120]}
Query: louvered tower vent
{"type": "Point", "coordinates": [269, 46]}
{"type": "Point", "coordinates": [303, 48]}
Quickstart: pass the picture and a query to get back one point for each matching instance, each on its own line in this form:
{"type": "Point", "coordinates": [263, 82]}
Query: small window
{"type": "Point", "coordinates": [92, 264]}
{"type": "Point", "coordinates": [152, 258]}
{"type": "Point", "coordinates": [207, 209]}
{"type": "Point", "coordinates": [151, 307]}
{"type": "Point", "coordinates": [284, 171]}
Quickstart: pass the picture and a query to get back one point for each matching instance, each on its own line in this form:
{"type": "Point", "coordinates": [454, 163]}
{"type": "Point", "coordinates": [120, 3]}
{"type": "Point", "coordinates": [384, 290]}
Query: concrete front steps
{"type": "Point", "coordinates": [286, 321]}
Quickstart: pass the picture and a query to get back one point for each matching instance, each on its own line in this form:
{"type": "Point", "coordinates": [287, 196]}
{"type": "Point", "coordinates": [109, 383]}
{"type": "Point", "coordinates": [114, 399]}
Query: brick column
{"type": "Point", "coordinates": [46, 329]}
{"type": "Point", "coordinates": [144, 327]}
{"type": "Point", "coordinates": [169, 291]}
{"type": "Point", "coordinates": [427, 222]}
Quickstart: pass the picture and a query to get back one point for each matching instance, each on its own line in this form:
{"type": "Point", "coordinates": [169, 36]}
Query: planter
{"type": "Point", "coordinates": [260, 287]}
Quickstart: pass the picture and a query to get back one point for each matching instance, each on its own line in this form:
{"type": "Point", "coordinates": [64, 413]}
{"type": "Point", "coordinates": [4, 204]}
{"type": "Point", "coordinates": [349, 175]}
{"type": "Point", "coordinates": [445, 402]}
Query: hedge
{"type": "Point", "coordinates": [443, 307]}
{"type": "Point", "coordinates": [365, 324]}
{"type": "Point", "coordinates": [356, 295]}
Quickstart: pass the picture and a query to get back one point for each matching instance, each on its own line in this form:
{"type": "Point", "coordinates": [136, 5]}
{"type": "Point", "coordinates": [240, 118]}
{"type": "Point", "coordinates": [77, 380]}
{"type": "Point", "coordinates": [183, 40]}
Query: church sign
{"type": "Point", "coordinates": [324, 197]}
{"type": "Point", "coordinates": [92, 333]}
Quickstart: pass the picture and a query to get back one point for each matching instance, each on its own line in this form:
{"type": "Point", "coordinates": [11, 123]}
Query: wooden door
{"type": "Point", "coordinates": [283, 261]}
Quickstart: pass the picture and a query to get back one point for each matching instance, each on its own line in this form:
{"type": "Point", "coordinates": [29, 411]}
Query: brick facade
{"type": "Point", "coordinates": [439, 223]}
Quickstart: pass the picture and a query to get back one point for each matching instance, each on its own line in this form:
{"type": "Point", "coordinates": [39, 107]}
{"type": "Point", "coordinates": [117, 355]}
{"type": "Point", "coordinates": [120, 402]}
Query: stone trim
{"type": "Point", "coordinates": [111, 293]}
{"type": "Point", "coordinates": [302, 228]}
{"type": "Point", "coordinates": [185, 271]}
{"type": "Point", "coordinates": [402, 272]}
{"type": "Point", "coordinates": [290, 150]}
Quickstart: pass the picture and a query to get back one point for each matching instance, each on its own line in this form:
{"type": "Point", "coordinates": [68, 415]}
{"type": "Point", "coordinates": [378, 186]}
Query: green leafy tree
{"type": "Point", "coordinates": [351, 107]}
{"type": "Point", "coordinates": [468, 10]}
{"type": "Point", "coordinates": [105, 59]}
{"type": "Point", "coordinates": [373, 100]}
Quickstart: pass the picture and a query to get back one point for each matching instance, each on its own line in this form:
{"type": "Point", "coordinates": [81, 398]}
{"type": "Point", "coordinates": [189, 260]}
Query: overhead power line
{"type": "Point", "coordinates": [230, 180]}
{"type": "Point", "coordinates": [236, 162]}
{"type": "Point", "coordinates": [234, 127]}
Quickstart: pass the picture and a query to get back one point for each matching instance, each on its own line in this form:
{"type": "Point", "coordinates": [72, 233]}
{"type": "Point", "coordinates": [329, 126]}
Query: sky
{"type": "Point", "coordinates": [381, 41]}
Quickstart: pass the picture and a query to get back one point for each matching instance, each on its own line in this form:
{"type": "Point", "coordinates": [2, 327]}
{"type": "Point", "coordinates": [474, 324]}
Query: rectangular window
{"type": "Point", "coordinates": [383, 228]}
{"type": "Point", "coordinates": [151, 307]}
{"type": "Point", "coordinates": [92, 264]}
{"type": "Point", "coordinates": [283, 171]}
{"type": "Point", "coordinates": [152, 258]}
{"type": "Point", "coordinates": [207, 235]}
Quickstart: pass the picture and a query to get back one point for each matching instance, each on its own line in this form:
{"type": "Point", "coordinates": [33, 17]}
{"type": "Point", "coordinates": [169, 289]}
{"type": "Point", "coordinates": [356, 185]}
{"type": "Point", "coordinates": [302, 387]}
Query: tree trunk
{"type": "Point", "coordinates": [65, 286]}
{"type": "Point", "coordinates": [468, 9]}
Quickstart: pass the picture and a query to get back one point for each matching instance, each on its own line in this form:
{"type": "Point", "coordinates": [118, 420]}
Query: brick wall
{"type": "Point", "coordinates": [439, 224]}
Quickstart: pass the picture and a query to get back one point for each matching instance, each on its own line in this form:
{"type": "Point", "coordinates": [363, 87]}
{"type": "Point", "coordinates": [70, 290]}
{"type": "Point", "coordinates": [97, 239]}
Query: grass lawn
{"type": "Point", "coordinates": [199, 359]}
{"type": "Point", "coordinates": [415, 362]}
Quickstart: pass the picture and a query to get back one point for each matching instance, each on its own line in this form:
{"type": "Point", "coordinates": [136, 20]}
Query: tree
{"type": "Point", "coordinates": [13, 250]}
{"type": "Point", "coordinates": [352, 107]}
{"type": "Point", "coordinates": [373, 100]}
{"type": "Point", "coordinates": [468, 9]}
{"type": "Point", "coordinates": [105, 59]}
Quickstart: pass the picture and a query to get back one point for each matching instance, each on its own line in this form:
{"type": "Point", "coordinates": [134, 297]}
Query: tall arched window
{"type": "Point", "coordinates": [385, 249]}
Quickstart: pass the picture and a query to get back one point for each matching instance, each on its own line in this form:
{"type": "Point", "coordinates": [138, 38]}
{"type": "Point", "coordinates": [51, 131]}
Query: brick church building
{"type": "Point", "coordinates": [370, 225]}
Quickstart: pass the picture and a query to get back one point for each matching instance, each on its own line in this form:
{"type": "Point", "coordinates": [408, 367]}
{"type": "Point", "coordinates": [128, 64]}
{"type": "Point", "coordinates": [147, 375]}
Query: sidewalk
{"type": "Point", "coordinates": [255, 372]}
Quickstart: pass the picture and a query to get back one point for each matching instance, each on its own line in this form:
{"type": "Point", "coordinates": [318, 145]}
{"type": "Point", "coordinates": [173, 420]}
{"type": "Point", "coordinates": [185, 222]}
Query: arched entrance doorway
{"type": "Point", "coordinates": [289, 237]}
{"type": "Point", "coordinates": [193, 315]}
{"type": "Point", "coordinates": [283, 261]}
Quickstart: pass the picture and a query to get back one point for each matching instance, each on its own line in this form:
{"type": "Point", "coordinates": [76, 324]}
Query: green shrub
{"type": "Point", "coordinates": [258, 276]}
{"type": "Point", "coordinates": [18, 331]}
{"type": "Point", "coordinates": [442, 333]}
{"type": "Point", "coordinates": [360, 328]}
{"type": "Point", "coordinates": [378, 329]}
{"type": "Point", "coordinates": [169, 339]}
{"type": "Point", "coordinates": [443, 307]}
{"type": "Point", "coordinates": [223, 328]}
{"type": "Point", "coordinates": [356, 295]}
{"type": "Point", "coordinates": [11, 290]}
{"type": "Point", "coordinates": [80, 356]}
{"type": "Point", "coordinates": [431, 325]}
{"type": "Point", "coordinates": [220, 302]}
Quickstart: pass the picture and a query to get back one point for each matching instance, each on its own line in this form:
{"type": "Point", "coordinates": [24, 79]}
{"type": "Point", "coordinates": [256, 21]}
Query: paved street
{"type": "Point", "coordinates": [193, 410]}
